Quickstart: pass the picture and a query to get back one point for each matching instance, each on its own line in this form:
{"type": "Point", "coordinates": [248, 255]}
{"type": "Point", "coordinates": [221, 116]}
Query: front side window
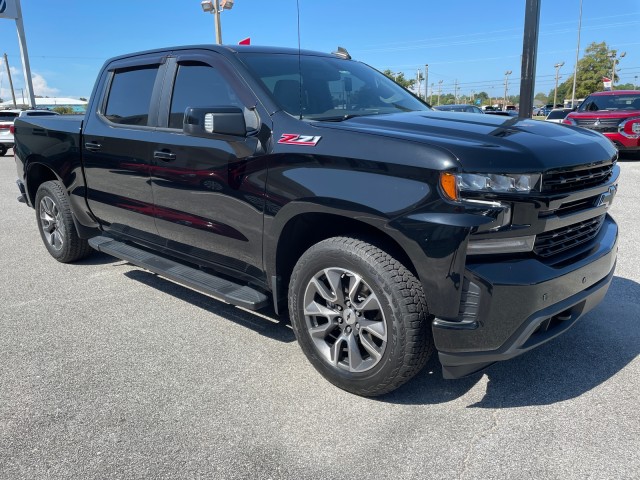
{"type": "Point", "coordinates": [199, 85]}
{"type": "Point", "coordinates": [130, 96]}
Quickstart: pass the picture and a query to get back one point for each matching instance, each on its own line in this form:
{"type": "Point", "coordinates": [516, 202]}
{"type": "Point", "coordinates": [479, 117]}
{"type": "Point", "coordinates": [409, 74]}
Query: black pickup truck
{"type": "Point", "coordinates": [265, 175]}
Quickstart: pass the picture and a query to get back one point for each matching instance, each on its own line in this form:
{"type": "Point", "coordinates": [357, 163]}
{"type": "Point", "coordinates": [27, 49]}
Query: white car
{"type": "Point", "coordinates": [6, 122]}
{"type": "Point", "coordinates": [557, 115]}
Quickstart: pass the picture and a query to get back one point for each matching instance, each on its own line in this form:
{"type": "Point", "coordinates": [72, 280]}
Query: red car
{"type": "Point", "coordinates": [616, 114]}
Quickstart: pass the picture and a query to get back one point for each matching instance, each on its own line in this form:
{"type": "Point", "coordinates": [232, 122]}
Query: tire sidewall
{"type": "Point", "coordinates": [48, 189]}
{"type": "Point", "coordinates": [312, 262]}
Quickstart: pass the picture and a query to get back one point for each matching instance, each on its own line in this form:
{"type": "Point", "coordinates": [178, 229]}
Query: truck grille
{"type": "Point", "coordinates": [561, 239]}
{"type": "Point", "coordinates": [602, 125]}
{"type": "Point", "coordinates": [571, 180]}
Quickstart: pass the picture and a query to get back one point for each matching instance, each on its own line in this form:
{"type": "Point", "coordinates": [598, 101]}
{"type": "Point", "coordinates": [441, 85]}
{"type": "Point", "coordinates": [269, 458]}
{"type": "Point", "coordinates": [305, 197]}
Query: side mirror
{"type": "Point", "coordinates": [207, 121]}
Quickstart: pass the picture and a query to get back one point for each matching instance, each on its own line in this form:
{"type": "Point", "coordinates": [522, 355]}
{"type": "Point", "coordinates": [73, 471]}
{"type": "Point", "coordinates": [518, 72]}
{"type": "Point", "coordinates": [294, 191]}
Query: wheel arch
{"type": "Point", "coordinates": [303, 230]}
{"type": "Point", "coordinates": [37, 174]}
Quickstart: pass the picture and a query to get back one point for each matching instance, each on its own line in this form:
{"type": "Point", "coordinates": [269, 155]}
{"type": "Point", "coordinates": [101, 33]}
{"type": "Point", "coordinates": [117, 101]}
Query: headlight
{"type": "Point", "coordinates": [453, 184]}
{"type": "Point", "coordinates": [630, 128]}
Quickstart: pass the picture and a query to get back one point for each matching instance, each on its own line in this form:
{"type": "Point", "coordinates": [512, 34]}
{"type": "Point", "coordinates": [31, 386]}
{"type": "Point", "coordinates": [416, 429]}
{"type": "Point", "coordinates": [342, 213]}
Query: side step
{"type": "Point", "coordinates": [218, 288]}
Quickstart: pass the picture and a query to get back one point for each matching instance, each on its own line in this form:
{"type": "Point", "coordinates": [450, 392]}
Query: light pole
{"type": "Point", "coordinates": [506, 86]}
{"type": "Point", "coordinates": [557, 66]}
{"type": "Point", "coordinates": [215, 7]}
{"type": "Point", "coordinates": [635, 82]}
{"type": "Point", "coordinates": [431, 97]}
{"type": "Point", "coordinates": [439, 89]}
{"type": "Point", "coordinates": [426, 80]}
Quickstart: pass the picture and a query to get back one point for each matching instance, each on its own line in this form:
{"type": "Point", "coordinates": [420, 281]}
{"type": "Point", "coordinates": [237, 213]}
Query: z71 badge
{"type": "Point", "coordinates": [295, 139]}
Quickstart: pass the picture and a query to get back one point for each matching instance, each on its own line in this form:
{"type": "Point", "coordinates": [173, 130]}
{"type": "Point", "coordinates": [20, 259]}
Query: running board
{"type": "Point", "coordinates": [216, 287]}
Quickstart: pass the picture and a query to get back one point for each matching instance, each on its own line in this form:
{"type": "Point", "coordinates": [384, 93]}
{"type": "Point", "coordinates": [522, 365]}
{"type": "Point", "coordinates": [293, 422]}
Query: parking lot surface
{"type": "Point", "coordinates": [108, 371]}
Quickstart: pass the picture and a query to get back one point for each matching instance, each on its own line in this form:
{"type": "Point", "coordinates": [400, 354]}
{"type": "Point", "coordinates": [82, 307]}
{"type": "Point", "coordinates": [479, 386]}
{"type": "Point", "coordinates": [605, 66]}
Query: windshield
{"type": "Point", "coordinates": [610, 102]}
{"type": "Point", "coordinates": [327, 88]}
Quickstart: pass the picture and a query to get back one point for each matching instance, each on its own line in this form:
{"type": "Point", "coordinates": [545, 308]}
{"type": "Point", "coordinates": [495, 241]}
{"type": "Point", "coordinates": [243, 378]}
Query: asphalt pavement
{"type": "Point", "coordinates": [108, 371]}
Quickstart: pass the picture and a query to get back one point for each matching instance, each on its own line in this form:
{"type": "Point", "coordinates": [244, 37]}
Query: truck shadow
{"type": "Point", "coordinates": [599, 346]}
{"type": "Point", "coordinates": [265, 322]}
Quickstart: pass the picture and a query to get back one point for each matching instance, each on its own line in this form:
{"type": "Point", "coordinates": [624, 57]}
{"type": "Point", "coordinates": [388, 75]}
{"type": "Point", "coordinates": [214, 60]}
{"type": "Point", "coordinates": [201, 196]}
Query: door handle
{"type": "Point", "coordinates": [92, 146]}
{"type": "Point", "coordinates": [164, 156]}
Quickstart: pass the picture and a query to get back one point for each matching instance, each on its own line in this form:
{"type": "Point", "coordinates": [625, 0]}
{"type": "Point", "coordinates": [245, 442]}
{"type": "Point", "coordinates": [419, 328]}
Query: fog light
{"type": "Point", "coordinates": [501, 245]}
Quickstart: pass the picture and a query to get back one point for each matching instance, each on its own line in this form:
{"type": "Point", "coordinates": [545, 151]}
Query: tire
{"type": "Point", "coordinates": [359, 315]}
{"type": "Point", "coordinates": [3, 150]}
{"type": "Point", "coordinates": [56, 225]}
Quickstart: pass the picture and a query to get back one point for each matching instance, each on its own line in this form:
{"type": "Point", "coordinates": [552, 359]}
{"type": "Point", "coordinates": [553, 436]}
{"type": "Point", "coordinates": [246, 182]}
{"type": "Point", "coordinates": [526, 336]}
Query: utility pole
{"type": "Point", "coordinates": [426, 80]}
{"type": "Point", "coordinates": [431, 98]}
{"type": "Point", "coordinates": [506, 87]}
{"type": "Point", "coordinates": [557, 66]}
{"type": "Point", "coordinates": [439, 90]}
{"type": "Point", "coordinates": [575, 69]}
{"type": "Point", "coordinates": [614, 62]}
{"type": "Point", "coordinates": [455, 90]}
{"type": "Point", "coordinates": [419, 81]}
{"type": "Point", "coordinates": [13, 93]}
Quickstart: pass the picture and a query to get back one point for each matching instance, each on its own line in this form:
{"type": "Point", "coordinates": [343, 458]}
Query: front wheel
{"type": "Point", "coordinates": [3, 150]}
{"type": "Point", "coordinates": [56, 224]}
{"type": "Point", "coordinates": [359, 315]}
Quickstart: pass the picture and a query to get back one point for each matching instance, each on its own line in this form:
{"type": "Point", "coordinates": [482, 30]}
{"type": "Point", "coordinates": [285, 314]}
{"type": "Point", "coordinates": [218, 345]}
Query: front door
{"type": "Point", "coordinates": [209, 192]}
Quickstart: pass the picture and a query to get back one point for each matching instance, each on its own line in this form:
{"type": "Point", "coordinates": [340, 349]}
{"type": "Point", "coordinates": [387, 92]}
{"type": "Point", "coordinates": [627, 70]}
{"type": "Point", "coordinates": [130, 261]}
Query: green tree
{"type": "Point", "coordinates": [542, 97]}
{"type": "Point", "coordinates": [591, 68]}
{"type": "Point", "coordinates": [483, 96]}
{"type": "Point", "coordinates": [63, 110]}
{"type": "Point", "coordinates": [399, 78]}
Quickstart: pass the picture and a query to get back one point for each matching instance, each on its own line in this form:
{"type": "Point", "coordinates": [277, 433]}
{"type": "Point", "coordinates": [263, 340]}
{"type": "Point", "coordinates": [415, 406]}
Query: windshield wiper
{"type": "Point", "coordinates": [341, 118]}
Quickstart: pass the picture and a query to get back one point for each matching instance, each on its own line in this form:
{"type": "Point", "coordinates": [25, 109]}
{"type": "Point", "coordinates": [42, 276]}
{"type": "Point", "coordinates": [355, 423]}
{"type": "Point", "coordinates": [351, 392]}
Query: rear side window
{"type": "Point", "coordinates": [130, 96]}
{"type": "Point", "coordinates": [8, 115]}
{"type": "Point", "coordinates": [199, 85]}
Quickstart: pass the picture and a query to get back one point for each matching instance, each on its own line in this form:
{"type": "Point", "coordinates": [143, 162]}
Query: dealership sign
{"type": "Point", "coordinates": [8, 9]}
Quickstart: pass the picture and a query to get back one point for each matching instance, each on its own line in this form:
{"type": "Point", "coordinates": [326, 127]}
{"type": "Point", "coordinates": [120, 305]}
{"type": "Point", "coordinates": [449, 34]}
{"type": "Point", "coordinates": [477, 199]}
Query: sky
{"type": "Point", "coordinates": [472, 42]}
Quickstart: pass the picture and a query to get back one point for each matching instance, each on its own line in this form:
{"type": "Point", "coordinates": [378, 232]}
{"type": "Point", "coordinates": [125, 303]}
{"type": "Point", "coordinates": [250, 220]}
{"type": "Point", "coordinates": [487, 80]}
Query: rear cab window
{"type": "Point", "coordinates": [129, 98]}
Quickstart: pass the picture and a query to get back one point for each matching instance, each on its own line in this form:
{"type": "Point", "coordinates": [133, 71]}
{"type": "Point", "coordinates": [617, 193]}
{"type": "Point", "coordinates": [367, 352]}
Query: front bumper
{"type": "Point", "coordinates": [624, 144]}
{"type": "Point", "coordinates": [520, 304]}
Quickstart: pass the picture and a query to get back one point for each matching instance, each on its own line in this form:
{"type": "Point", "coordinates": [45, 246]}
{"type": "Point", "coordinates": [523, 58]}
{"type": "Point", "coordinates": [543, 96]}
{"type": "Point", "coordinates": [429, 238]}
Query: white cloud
{"type": "Point", "coordinates": [40, 85]}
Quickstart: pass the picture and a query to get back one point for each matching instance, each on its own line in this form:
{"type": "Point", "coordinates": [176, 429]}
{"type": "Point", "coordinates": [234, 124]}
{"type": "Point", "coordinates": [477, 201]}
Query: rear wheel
{"type": "Point", "coordinates": [56, 224]}
{"type": "Point", "coordinates": [359, 316]}
{"type": "Point", "coordinates": [3, 150]}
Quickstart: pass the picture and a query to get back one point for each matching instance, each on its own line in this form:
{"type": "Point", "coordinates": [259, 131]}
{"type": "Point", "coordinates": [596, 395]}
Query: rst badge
{"type": "Point", "coordinates": [295, 139]}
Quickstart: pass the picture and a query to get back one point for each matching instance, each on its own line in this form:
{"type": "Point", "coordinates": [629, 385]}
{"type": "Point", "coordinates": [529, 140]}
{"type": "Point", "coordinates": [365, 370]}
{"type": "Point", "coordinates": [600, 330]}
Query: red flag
{"type": "Point", "coordinates": [245, 41]}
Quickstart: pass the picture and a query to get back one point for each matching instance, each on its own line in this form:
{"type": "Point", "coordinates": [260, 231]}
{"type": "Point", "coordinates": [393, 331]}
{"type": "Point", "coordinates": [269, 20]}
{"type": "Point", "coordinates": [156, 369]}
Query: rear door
{"type": "Point", "coordinates": [118, 143]}
{"type": "Point", "coordinates": [209, 192]}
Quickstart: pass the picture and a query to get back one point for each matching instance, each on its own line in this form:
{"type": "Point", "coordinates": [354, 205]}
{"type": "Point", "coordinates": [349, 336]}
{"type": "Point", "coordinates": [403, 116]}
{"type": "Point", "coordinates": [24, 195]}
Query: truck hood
{"type": "Point", "coordinates": [488, 142]}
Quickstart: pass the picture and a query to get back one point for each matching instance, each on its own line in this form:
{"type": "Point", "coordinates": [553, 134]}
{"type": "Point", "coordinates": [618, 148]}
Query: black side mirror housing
{"type": "Point", "coordinates": [207, 121]}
